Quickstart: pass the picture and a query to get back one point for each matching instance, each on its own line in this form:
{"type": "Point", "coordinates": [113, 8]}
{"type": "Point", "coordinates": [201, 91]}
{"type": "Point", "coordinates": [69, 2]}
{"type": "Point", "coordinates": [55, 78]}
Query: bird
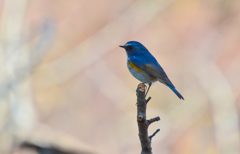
{"type": "Point", "coordinates": [144, 67]}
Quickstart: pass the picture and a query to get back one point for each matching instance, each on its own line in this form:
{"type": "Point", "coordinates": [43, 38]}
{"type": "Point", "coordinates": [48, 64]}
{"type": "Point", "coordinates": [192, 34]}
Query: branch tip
{"type": "Point", "coordinates": [149, 98]}
{"type": "Point", "coordinates": [141, 87]}
{"type": "Point", "coordinates": [153, 120]}
{"type": "Point", "coordinates": [150, 137]}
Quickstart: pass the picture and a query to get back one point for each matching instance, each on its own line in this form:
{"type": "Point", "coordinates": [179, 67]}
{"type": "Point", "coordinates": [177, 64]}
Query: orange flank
{"type": "Point", "coordinates": [134, 67]}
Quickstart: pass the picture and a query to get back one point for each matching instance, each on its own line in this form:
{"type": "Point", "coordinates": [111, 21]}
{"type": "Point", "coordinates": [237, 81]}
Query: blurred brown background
{"type": "Point", "coordinates": [64, 82]}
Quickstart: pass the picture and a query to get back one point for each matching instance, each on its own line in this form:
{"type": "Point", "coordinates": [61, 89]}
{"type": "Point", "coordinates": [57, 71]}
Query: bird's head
{"type": "Point", "coordinates": [133, 47]}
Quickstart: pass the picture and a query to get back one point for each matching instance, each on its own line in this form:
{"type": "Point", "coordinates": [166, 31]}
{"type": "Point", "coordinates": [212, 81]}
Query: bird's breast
{"type": "Point", "coordinates": [132, 66]}
{"type": "Point", "coordinates": [140, 74]}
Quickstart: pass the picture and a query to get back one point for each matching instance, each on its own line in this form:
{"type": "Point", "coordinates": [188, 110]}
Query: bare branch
{"type": "Point", "coordinates": [153, 120]}
{"type": "Point", "coordinates": [142, 121]}
{"type": "Point", "coordinates": [149, 98]}
{"type": "Point", "coordinates": [154, 134]}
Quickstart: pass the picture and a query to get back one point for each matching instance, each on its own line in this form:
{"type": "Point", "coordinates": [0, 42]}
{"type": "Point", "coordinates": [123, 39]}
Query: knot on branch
{"type": "Point", "coordinates": [140, 117]}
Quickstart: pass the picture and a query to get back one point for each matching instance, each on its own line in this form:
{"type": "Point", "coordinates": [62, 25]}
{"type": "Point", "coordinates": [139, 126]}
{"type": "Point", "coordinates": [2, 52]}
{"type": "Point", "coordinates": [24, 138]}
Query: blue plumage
{"type": "Point", "coordinates": [176, 92]}
{"type": "Point", "coordinates": [145, 67]}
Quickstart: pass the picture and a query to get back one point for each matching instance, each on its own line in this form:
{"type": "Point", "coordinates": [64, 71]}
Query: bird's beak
{"type": "Point", "coordinates": [122, 46]}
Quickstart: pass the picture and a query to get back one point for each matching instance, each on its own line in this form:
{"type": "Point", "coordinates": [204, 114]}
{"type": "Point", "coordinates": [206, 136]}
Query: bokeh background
{"type": "Point", "coordinates": [64, 83]}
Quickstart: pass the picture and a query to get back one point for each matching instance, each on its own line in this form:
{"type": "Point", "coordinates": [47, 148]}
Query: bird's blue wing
{"type": "Point", "coordinates": [151, 66]}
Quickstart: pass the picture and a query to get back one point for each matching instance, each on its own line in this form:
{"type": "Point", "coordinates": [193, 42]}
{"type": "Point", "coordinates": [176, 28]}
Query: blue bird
{"type": "Point", "coordinates": [144, 67]}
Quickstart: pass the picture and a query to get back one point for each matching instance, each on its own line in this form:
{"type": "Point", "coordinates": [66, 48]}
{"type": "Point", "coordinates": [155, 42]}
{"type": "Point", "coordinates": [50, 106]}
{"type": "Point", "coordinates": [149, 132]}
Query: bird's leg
{"type": "Point", "coordinates": [149, 85]}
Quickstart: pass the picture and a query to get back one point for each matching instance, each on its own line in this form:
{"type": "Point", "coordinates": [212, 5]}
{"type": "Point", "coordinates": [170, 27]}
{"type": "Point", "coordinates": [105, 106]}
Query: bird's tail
{"type": "Point", "coordinates": [176, 92]}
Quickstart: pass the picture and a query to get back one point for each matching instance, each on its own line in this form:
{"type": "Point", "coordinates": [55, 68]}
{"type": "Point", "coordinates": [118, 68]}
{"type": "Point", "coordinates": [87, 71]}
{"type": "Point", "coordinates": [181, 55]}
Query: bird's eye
{"type": "Point", "coordinates": [130, 47]}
